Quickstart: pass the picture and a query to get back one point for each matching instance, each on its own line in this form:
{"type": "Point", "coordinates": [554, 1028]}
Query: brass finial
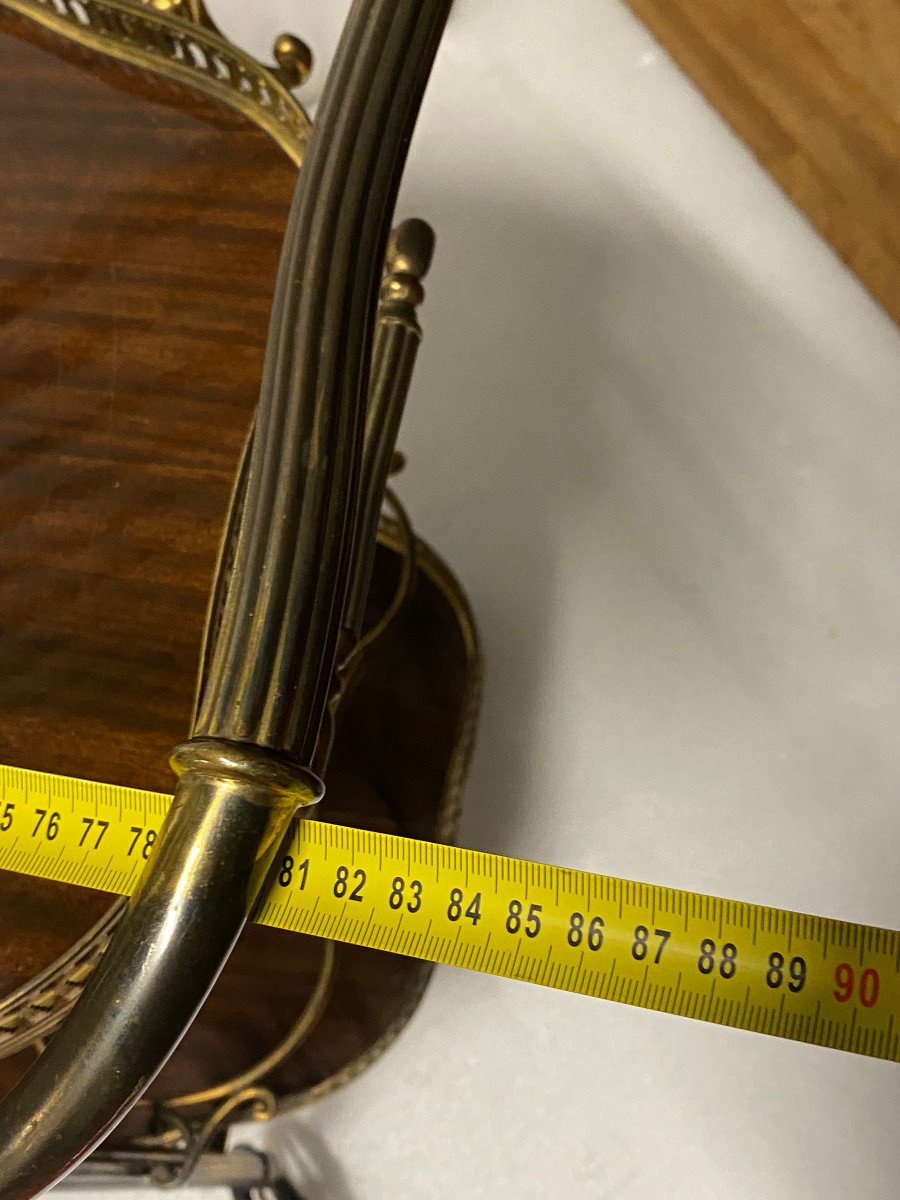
{"type": "Point", "coordinates": [294, 58]}
{"type": "Point", "coordinates": [409, 253]}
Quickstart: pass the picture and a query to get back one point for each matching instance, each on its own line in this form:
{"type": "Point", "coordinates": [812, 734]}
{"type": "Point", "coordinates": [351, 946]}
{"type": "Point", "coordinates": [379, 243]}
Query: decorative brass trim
{"type": "Point", "coordinates": [249, 1103]}
{"type": "Point", "coordinates": [185, 50]}
{"type": "Point", "coordinates": [34, 1011]}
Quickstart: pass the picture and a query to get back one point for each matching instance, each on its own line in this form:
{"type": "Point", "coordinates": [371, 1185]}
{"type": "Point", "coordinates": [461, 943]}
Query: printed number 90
{"type": "Point", "coordinates": [869, 985]}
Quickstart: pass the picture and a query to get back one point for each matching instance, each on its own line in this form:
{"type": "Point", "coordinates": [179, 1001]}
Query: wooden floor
{"type": "Point", "coordinates": [813, 87]}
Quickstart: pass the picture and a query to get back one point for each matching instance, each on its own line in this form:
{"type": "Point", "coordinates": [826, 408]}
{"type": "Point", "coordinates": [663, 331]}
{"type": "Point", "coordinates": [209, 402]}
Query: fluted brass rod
{"type": "Point", "coordinates": [397, 338]}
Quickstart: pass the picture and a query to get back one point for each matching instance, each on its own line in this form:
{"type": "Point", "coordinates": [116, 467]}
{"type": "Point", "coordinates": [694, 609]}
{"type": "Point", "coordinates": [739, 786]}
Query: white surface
{"type": "Point", "coordinates": [656, 429]}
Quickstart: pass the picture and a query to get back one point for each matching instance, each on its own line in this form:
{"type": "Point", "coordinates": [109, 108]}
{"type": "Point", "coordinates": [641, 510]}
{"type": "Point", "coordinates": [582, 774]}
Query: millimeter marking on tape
{"type": "Point", "coordinates": [810, 979]}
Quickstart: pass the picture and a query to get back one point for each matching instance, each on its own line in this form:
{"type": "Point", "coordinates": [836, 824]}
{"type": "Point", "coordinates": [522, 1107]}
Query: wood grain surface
{"type": "Point", "coordinates": [813, 88]}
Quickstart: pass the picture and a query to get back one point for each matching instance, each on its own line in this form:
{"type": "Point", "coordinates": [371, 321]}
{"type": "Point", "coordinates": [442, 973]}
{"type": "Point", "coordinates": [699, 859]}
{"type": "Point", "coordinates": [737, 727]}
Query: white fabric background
{"type": "Point", "coordinates": [655, 428]}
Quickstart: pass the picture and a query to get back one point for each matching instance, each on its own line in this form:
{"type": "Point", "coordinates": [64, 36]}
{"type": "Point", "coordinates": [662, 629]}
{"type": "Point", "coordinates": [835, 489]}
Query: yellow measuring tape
{"type": "Point", "coordinates": [808, 978]}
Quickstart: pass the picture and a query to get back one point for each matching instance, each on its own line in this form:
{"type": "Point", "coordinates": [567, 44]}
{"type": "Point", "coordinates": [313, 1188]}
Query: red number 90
{"type": "Point", "coordinates": [845, 979]}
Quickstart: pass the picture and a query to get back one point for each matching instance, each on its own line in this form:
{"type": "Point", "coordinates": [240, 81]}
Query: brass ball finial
{"type": "Point", "coordinates": [294, 58]}
{"type": "Point", "coordinates": [410, 248]}
{"type": "Point", "coordinates": [409, 252]}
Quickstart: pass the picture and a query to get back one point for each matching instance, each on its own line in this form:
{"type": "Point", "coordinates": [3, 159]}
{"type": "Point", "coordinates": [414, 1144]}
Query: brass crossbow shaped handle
{"type": "Point", "coordinates": [286, 606]}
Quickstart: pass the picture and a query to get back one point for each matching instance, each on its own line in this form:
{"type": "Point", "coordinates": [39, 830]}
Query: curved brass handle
{"type": "Point", "coordinates": [163, 958]}
{"type": "Point", "coordinates": [270, 667]}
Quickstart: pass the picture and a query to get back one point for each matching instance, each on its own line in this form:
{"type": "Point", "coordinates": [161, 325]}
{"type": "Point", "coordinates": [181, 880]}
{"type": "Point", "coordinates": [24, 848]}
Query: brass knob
{"type": "Point", "coordinates": [409, 253]}
{"type": "Point", "coordinates": [294, 58]}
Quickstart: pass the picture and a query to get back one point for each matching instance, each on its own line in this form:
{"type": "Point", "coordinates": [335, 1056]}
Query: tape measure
{"type": "Point", "coordinates": [807, 978]}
